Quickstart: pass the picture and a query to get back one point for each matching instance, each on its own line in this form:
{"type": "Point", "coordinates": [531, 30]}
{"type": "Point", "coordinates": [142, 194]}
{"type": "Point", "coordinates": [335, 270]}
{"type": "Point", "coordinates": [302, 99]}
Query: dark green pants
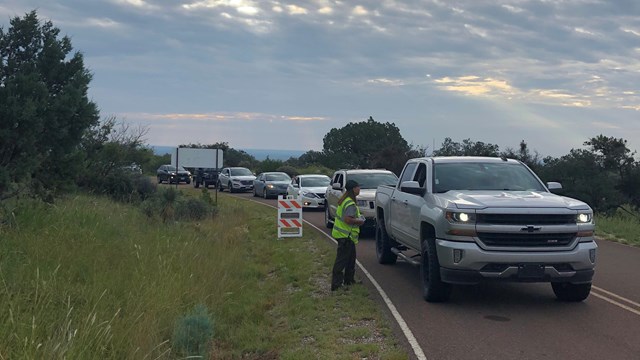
{"type": "Point", "coordinates": [344, 267]}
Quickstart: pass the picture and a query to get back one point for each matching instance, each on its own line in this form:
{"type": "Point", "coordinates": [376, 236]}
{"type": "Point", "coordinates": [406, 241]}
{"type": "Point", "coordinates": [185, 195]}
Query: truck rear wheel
{"type": "Point", "coordinates": [383, 245]}
{"type": "Point", "coordinates": [433, 289]}
{"type": "Point", "coordinates": [571, 292]}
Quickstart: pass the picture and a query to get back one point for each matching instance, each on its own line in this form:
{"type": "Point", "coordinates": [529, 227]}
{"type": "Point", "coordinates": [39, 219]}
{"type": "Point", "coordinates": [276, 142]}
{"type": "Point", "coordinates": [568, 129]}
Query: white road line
{"type": "Point", "coordinates": [417, 350]}
{"type": "Point", "coordinates": [616, 303]}
{"type": "Point", "coordinates": [617, 296]}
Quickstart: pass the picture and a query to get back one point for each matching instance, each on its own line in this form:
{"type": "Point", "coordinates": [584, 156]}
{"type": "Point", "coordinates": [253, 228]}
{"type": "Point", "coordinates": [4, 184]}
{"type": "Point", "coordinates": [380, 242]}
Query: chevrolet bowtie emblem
{"type": "Point", "coordinates": [530, 228]}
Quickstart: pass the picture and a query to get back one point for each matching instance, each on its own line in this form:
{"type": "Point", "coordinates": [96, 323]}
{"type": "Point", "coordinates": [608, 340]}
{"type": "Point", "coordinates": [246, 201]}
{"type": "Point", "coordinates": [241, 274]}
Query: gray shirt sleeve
{"type": "Point", "coordinates": [349, 211]}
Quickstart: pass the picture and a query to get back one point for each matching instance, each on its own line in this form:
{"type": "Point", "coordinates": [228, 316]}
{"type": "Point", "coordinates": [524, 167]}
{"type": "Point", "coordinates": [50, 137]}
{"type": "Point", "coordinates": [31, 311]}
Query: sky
{"type": "Point", "coordinates": [281, 74]}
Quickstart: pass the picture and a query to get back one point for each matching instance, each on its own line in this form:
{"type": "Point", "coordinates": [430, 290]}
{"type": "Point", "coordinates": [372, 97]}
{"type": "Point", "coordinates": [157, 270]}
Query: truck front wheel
{"type": "Point", "coordinates": [433, 289]}
{"type": "Point", "coordinates": [327, 217]}
{"type": "Point", "coordinates": [571, 292]}
{"type": "Point", "coordinates": [383, 245]}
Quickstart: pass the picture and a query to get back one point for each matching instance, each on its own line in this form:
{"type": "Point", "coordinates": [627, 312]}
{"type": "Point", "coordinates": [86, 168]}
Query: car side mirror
{"type": "Point", "coordinates": [336, 186]}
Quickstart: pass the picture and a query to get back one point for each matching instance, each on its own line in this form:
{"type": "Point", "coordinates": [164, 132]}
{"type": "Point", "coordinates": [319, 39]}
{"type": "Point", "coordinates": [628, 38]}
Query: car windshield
{"type": "Point", "coordinates": [484, 176]}
{"type": "Point", "coordinates": [316, 181]}
{"type": "Point", "coordinates": [240, 172]}
{"type": "Point", "coordinates": [277, 177]}
{"type": "Point", "coordinates": [373, 180]}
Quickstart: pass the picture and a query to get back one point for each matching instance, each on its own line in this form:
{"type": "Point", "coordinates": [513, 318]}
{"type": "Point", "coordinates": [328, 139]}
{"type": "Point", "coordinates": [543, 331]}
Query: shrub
{"type": "Point", "coordinates": [192, 209]}
{"type": "Point", "coordinates": [192, 333]}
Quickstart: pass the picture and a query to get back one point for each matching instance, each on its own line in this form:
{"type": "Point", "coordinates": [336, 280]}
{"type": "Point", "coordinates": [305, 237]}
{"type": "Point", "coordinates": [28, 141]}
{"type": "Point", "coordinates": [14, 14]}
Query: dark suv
{"type": "Point", "coordinates": [205, 177]}
{"type": "Point", "coordinates": [170, 174]}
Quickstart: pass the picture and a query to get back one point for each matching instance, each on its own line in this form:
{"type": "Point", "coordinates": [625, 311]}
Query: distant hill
{"type": "Point", "coordinates": [259, 154]}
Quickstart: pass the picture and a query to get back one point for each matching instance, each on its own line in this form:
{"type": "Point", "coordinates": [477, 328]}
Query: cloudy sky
{"type": "Point", "coordinates": [281, 74]}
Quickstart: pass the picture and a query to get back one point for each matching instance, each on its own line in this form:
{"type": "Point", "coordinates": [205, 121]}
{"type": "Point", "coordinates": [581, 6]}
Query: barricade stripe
{"type": "Point", "coordinates": [296, 223]}
{"type": "Point", "coordinates": [284, 204]}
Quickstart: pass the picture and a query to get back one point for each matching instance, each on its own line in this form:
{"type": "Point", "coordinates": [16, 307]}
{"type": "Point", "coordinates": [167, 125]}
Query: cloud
{"type": "Point", "coordinates": [476, 86]}
{"type": "Point", "coordinates": [222, 117]}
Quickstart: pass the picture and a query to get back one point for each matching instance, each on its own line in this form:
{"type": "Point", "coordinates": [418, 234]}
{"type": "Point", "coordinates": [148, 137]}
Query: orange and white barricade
{"type": "Point", "coordinates": [289, 217]}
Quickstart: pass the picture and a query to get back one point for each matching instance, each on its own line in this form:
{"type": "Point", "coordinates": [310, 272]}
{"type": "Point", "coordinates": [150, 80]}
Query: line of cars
{"type": "Point", "coordinates": [316, 191]}
{"type": "Point", "coordinates": [310, 188]}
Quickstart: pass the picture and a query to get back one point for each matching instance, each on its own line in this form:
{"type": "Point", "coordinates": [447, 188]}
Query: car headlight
{"type": "Point", "coordinates": [461, 217]}
{"type": "Point", "coordinates": [584, 218]}
{"type": "Point", "coordinates": [270, 186]}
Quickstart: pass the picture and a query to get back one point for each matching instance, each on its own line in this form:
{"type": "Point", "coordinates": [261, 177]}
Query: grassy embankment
{"type": "Point", "coordinates": [623, 227]}
{"type": "Point", "coordinates": [92, 279]}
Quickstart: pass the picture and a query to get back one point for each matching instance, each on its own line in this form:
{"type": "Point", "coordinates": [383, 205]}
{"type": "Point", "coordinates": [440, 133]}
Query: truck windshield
{"type": "Point", "coordinates": [373, 180]}
{"type": "Point", "coordinates": [500, 176]}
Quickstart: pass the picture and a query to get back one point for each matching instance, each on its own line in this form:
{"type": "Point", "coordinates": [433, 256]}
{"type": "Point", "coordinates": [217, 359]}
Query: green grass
{"type": "Point", "coordinates": [623, 227]}
{"type": "Point", "coordinates": [91, 279]}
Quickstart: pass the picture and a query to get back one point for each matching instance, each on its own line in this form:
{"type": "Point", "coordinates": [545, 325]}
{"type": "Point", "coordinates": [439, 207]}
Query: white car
{"type": "Point", "coordinates": [310, 188]}
{"type": "Point", "coordinates": [236, 179]}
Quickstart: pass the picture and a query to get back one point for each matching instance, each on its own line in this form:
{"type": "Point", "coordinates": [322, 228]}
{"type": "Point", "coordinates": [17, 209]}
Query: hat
{"type": "Point", "coordinates": [351, 184]}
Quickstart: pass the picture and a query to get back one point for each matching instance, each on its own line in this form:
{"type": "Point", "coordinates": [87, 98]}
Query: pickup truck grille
{"type": "Point", "coordinates": [526, 240]}
{"type": "Point", "coordinates": [526, 219]}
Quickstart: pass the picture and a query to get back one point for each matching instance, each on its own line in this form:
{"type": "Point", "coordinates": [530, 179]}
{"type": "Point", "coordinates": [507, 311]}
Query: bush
{"type": "Point", "coordinates": [192, 333]}
{"type": "Point", "coordinates": [192, 209]}
{"type": "Point", "coordinates": [129, 188]}
{"type": "Point", "coordinates": [171, 205]}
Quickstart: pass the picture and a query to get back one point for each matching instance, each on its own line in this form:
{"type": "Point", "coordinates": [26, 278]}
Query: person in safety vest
{"type": "Point", "coordinates": [346, 229]}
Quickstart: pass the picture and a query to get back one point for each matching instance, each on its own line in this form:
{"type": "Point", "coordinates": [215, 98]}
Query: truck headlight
{"type": "Point", "coordinates": [461, 217]}
{"type": "Point", "coordinates": [584, 218]}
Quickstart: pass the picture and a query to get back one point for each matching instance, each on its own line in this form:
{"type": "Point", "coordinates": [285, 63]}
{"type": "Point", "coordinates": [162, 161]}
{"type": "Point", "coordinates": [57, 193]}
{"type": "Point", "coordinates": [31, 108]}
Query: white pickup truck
{"type": "Point", "coordinates": [464, 220]}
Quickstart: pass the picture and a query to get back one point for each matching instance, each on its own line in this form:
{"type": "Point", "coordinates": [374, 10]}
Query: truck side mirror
{"type": "Point", "coordinates": [336, 186]}
{"type": "Point", "coordinates": [553, 185]}
{"type": "Point", "coordinates": [412, 187]}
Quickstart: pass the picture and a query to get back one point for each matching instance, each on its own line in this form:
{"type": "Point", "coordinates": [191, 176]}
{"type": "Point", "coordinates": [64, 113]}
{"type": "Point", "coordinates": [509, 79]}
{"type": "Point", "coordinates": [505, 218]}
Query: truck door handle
{"type": "Point", "coordinates": [406, 202]}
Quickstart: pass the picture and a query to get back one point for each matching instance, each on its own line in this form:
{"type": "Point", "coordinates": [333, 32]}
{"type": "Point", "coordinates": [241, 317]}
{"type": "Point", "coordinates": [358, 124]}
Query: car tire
{"type": "Point", "coordinates": [255, 192]}
{"type": "Point", "coordinates": [196, 184]}
{"type": "Point", "coordinates": [264, 194]}
{"type": "Point", "coordinates": [159, 180]}
{"type": "Point", "coordinates": [433, 289]}
{"type": "Point", "coordinates": [327, 219]}
{"type": "Point", "coordinates": [188, 182]}
{"type": "Point", "coordinates": [571, 292]}
{"type": "Point", "coordinates": [220, 187]}
{"type": "Point", "coordinates": [384, 245]}
{"type": "Point", "coordinates": [230, 188]}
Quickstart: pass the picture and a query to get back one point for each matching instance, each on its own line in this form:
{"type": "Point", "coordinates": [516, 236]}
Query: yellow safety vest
{"type": "Point", "coordinates": [340, 228]}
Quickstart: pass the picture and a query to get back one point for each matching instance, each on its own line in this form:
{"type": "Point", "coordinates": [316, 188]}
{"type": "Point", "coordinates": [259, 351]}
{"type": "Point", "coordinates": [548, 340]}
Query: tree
{"type": "Point", "coordinates": [466, 148]}
{"type": "Point", "coordinates": [523, 154]}
{"type": "Point", "coordinates": [44, 108]}
{"type": "Point", "coordinates": [583, 177]}
{"type": "Point", "coordinates": [612, 154]}
{"type": "Point", "coordinates": [363, 145]}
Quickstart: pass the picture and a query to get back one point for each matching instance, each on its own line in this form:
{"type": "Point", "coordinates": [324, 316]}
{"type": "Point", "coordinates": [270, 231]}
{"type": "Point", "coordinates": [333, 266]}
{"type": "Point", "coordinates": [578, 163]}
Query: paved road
{"type": "Point", "coordinates": [515, 321]}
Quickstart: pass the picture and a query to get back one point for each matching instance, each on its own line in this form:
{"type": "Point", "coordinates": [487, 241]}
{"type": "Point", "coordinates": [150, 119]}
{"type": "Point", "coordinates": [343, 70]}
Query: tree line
{"type": "Point", "coordinates": [53, 141]}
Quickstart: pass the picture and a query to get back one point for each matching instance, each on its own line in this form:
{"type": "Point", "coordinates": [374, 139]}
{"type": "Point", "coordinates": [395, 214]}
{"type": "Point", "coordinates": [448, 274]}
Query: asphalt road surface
{"type": "Point", "coordinates": [509, 320]}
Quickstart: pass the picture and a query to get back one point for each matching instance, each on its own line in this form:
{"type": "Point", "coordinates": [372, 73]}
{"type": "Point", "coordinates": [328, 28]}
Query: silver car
{"type": "Point", "coordinates": [271, 184]}
{"type": "Point", "coordinates": [310, 189]}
